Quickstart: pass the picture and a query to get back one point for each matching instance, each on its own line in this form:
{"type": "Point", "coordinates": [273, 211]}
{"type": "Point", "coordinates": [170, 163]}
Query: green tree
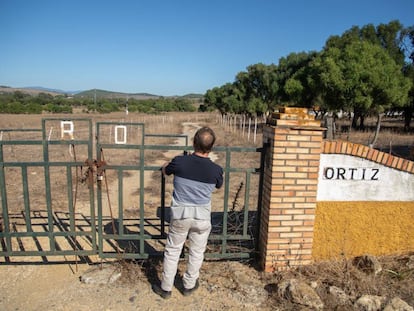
{"type": "Point", "coordinates": [408, 48]}
{"type": "Point", "coordinates": [211, 98]}
{"type": "Point", "coordinates": [393, 38]}
{"type": "Point", "coordinates": [297, 84]}
{"type": "Point", "coordinates": [43, 99]}
{"type": "Point", "coordinates": [361, 77]}
{"type": "Point", "coordinates": [226, 99]}
{"type": "Point", "coordinates": [257, 88]}
{"type": "Point", "coordinates": [33, 108]}
{"type": "Point", "coordinates": [388, 36]}
{"type": "Point", "coordinates": [15, 107]}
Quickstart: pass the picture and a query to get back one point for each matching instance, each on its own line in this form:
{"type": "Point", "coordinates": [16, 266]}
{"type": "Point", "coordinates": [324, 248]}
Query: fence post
{"type": "Point", "coordinates": [289, 189]}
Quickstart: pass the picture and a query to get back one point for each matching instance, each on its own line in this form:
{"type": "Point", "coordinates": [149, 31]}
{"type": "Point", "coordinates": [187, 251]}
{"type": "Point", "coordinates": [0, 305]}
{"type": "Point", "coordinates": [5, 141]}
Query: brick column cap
{"type": "Point", "coordinates": [295, 118]}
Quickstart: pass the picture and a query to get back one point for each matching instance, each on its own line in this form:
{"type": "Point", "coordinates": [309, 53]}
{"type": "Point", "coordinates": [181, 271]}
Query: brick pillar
{"type": "Point", "coordinates": [289, 189]}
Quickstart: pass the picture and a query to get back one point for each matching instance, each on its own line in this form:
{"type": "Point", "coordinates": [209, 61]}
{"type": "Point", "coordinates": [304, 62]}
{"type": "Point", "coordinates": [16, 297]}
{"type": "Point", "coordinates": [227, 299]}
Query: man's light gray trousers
{"type": "Point", "coordinates": [198, 232]}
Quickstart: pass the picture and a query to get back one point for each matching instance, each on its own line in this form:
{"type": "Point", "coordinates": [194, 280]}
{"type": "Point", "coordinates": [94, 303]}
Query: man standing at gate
{"type": "Point", "coordinates": [195, 178]}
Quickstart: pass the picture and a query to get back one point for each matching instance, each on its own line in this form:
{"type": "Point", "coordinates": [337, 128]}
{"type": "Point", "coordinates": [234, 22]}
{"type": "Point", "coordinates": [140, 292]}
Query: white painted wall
{"type": "Point", "coordinates": [349, 178]}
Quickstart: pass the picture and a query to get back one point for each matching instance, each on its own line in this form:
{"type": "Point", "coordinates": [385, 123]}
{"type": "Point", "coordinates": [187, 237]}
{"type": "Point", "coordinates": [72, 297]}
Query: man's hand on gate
{"type": "Point", "coordinates": [163, 167]}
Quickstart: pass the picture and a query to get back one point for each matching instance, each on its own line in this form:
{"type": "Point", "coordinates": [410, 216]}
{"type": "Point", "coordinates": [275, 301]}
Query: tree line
{"type": "Point", "coordinates": [365, 71]}
{"type": "Point", "coordinates": [20, 102]}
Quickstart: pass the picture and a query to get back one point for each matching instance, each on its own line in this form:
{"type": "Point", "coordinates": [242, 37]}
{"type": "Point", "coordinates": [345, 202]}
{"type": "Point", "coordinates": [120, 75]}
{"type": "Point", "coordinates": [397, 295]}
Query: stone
{"type": "Point", "coordinates": [249, 291]}
{"type": "Point", "coordinates": [397, 304]}
{"type": "Point", "coordinates": [300, 293]}
{"type": "Point", "coordinates": [369, 303]}
{"type": "Point", "coordinates": [368, 264]}
{"type": "Point", "coordinates": [410, 263]}
{"type": "Point", "coordinates": [106, 274]}
{"type": "Point", "coordinates": [340, 296]}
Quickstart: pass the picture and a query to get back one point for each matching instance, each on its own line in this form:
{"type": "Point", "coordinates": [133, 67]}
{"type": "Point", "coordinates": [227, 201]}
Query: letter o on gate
{"type": "Point", "coordinates": [123, 134]}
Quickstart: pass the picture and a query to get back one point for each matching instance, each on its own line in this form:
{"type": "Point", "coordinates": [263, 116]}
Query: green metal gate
{"type": "Point", "coordinates": [38, 216]}
{"type": "Point", "coordinates": [72, 189]}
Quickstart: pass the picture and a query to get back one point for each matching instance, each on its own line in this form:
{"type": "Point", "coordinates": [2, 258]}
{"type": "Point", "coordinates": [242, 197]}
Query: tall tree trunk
{"type": "Point", "coordinates": [408, 113]}
{"type": "Point", "coordinates": [355, 119]}
{"type": "Point", "coordinates": [361, 122]}
{"type": "Point", "coordinates": [329, 123]}
{"type": "Point", "coordinates": [374, 140]}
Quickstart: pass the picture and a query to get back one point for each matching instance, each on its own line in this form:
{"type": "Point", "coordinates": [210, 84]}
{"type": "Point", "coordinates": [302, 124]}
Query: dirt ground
{"type": "Point", "coordinates": [223, 286]}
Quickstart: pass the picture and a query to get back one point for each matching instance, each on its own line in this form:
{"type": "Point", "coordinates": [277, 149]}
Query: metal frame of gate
{"type": "Point", "coordinates": [69, 229]}
{"type": "Point", "coordinates": [56, 230]}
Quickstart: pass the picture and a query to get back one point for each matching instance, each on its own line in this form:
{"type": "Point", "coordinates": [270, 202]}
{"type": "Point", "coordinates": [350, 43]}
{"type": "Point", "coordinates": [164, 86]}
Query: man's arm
{"type": "Point", "coordinates": [220, 179]}
{"type": "Point", "coordinates": [164, 166]}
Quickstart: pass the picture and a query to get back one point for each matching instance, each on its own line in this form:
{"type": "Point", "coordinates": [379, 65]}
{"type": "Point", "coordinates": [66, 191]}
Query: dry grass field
{"type": "Point", "coordinates": [229, 285]}
{"type": "Point", "coordinates": [392, 137]}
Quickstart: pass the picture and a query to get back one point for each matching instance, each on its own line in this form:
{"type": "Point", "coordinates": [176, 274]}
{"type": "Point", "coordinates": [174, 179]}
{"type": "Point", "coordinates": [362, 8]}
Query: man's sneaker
{"type": "Point", "coordinates": [159, 291]}
{"type": "Point", "coordinates": [188, 292]}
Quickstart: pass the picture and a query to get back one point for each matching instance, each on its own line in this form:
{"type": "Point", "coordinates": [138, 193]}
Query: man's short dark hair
{"type": "Point", "coordinates": [204, 140]}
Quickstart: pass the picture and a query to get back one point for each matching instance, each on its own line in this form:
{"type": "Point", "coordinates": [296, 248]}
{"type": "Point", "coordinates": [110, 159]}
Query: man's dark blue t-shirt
{"type": "Point", "coordinates": [195, 178]}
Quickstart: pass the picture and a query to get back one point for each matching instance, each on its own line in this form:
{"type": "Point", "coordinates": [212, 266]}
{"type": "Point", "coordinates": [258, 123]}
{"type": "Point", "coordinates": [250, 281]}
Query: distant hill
{"type": "Point", "coordinates": [29, 90]}
{"type": "Point", "coordinates": [49, 90]}
{"type": "Point", "coordinates": [35, 90]}
{"type": "Point", "coordinates": [193, 96]}
{"type": "Point", "coordinates": [109, 94]}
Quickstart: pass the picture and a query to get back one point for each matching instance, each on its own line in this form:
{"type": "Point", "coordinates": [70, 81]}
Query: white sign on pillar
{"type": "Point", "coordinates": [349, 178]}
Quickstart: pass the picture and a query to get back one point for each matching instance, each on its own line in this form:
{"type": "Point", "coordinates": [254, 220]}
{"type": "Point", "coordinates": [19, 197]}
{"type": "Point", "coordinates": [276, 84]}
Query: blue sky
{"type": "Point", "coordinates": [168, 47]}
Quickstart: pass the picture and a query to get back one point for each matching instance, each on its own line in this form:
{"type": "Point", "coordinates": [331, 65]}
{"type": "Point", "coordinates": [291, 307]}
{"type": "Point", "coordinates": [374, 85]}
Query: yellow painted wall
{"type": "Point", "coordinates": [355, 228]}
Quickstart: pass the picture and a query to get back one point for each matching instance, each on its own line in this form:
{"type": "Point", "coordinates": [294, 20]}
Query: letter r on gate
{"type": "Point", "coordinates": [66, 127]}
